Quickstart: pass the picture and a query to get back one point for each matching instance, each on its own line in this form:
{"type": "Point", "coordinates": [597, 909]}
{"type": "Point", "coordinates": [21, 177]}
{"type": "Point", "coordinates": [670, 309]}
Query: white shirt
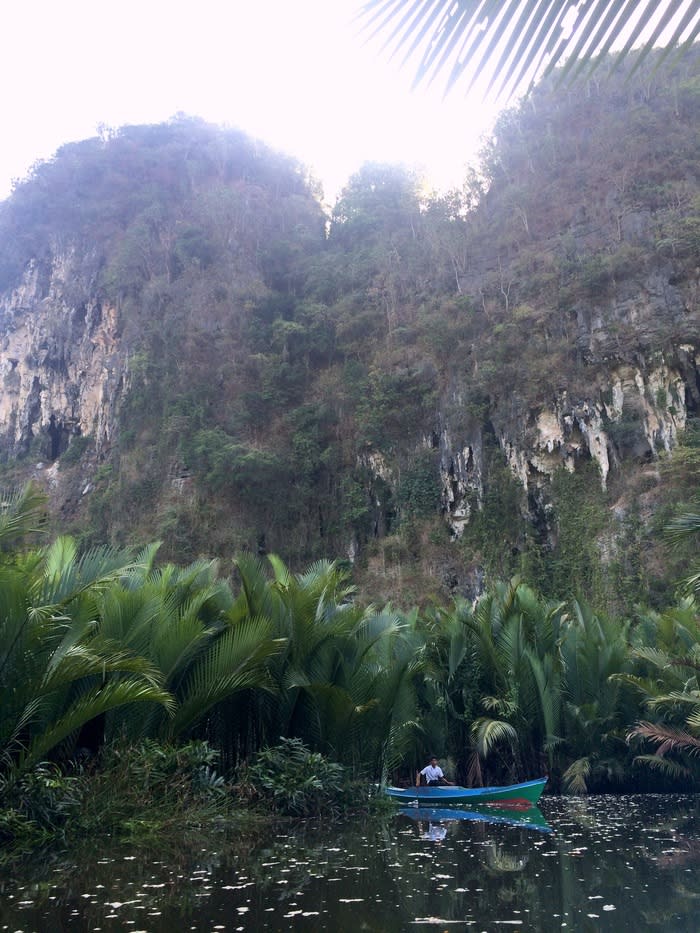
{"type": "Point", "coordinates": [432, 773]}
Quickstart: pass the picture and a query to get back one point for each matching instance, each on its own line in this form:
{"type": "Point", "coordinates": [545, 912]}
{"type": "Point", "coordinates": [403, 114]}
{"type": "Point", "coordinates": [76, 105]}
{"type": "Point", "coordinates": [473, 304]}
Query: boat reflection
{"type": "Point", "coordinates": [434, 832]}
{"type": "Point", "coordinates": [527, 819]}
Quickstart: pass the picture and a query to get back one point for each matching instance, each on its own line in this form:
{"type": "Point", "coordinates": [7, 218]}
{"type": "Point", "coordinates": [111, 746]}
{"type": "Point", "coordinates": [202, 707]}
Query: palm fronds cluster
{"type": "Point", "coordinates": [105, 648]}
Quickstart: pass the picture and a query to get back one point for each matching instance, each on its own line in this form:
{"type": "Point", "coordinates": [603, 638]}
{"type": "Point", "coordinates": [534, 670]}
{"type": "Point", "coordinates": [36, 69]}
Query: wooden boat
{"type": "Point", "coordinates": [532, 818]}
{"type": "Point", "coordinates": [518, 796]}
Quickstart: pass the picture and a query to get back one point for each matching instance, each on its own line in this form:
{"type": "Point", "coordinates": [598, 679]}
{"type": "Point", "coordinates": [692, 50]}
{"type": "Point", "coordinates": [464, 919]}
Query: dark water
{"type": "Point", "coordinates": [605, 863]}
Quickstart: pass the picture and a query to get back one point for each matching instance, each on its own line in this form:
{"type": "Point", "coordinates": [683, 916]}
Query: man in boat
{"type": "Point", "coordinates": [433, 774]}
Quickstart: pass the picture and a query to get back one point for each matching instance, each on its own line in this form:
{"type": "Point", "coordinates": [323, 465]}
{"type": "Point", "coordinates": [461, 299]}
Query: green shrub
{"type": "Point", "coordinates": [295, 780]}
{"type": "Point", "coordinates": [39, 805]}
{"type": "Point", "coordinates": [75, 450]}
{"type": "Point", "coordinates": [419, 492]}
{"type": "Point", "coordinates": [164, 769]}
{"type": "Point", "coordinates": [627, 431]}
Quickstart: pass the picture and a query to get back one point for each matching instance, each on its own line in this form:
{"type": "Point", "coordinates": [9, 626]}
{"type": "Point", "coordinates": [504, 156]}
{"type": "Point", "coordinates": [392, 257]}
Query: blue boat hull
{"type": "Point", "coordinates": [529, 819]}
{"type": "Point", "coordinates": [521, 796]}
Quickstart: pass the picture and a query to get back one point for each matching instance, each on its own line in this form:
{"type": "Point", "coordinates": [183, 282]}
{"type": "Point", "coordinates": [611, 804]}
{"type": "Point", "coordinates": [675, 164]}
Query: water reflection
{"type": "Point", "coordinates": [601, 864]}
{"type": "Point", "coordinates": [531, 818]}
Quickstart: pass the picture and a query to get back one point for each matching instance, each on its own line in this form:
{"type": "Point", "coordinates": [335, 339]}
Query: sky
{"type": "Point", "coordinates": [293, 73]}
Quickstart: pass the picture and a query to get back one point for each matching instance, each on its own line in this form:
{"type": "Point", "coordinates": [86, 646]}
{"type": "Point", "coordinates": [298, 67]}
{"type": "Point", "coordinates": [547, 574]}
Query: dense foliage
{"type": "Point", "coordinates": [151, 678]}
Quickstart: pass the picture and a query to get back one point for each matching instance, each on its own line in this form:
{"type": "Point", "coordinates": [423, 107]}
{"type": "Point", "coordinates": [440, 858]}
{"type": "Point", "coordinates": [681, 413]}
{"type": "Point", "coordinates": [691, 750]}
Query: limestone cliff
{"type": "Point", "coordinates": [404, 384]}
{"type": "Point", "coordinates": [633, 408]}
{"type": "Point", "coordinates": [64, 369]}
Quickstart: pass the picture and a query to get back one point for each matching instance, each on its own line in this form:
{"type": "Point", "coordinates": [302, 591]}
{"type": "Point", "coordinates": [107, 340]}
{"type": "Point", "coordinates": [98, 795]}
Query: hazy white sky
{"type": "Point", "coordinates": [294, 74]}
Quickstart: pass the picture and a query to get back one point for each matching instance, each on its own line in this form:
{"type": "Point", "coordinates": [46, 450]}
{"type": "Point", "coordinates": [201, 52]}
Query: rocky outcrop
{"type": "Point", "coordinates": [63, 368]}
{"type": "Point", "coordinates": [636, 413]}
{"type": "Point", "coordinates": [461, 476]}
{"type": "Point", "coordinates": [640, 385]}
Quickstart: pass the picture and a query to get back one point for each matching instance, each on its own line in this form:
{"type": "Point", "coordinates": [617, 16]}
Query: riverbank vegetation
{"type": "Point", "coordinates": [135, 694]}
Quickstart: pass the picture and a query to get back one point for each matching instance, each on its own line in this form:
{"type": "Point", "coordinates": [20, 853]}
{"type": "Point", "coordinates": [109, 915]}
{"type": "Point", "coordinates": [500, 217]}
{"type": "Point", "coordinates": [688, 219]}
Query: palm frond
{"type": "Point", "coordinates": [666, 738]}
{"type": "Point", "coordinates": [22, 513]}
{"type": "Point", "coordinates": [67, 575]}
{"type": "Point", "coordinates": [91, 704]}
{"type": "Point", "coordinates": [81, 661]}
{"type": "Point", "coordinates": [498, 705]}
{"type": "Point", "coordinates": [655, 656]}
{"type": "Point", "coordinates": [675, 698]}
{"type": "Point", "coordinates": [144, 561]}
{"type": "Point", "coordinates": [488, 733]}
{"type": "Point", "coordinates": [691, 584]}
{"type": "Point", "coordinates": [575, 778]}
{"type": "Point", "coordinates": [671, 768]}
{"type": "Point", "coordinates": [507, 43]}
{"type": "Point", "coordinates": [257, 597]}
{"type": "Point", "coordinates": [548, 681]}
{"type": "Point", "coordinates": [236, 661]}
{"type": "Point", "coordinates": [683, 526]}
{"type": "Point", "coordinates": [647, 686]}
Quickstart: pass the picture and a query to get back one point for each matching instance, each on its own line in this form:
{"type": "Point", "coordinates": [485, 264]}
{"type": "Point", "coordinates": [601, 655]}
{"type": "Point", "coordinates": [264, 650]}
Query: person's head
{"type": "Point", "coordinates": [433, 761]}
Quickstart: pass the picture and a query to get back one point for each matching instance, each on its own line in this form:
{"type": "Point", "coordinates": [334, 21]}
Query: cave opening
{"type": "Point", "coordinates": [55, 433]}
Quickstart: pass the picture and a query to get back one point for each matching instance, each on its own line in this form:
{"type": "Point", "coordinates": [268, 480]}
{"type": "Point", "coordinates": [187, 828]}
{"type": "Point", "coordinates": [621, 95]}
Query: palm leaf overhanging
{"type": "Point", "coordinates": [510, 42]}
{"type": "Point", "coordinates": [684, 526]}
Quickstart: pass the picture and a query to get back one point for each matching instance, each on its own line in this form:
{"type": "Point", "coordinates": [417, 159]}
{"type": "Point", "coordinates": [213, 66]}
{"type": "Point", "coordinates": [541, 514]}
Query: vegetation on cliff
{"type": "Point", "coordinates": [307, 385]}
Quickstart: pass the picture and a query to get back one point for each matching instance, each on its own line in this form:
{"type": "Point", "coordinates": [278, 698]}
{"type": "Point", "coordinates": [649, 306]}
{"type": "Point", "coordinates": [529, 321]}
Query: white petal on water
{"type": "Point", "coordinates": [440, 920]}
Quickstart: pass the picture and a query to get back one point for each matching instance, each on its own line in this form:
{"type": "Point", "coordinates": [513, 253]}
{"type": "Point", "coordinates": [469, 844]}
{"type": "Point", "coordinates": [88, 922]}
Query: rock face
{"type": "Point", "coordinates": [64, 370]}
{"type": "Point", "coordinates": [313, 387]}
{"type": "Point", "coordinates": [638, 400]}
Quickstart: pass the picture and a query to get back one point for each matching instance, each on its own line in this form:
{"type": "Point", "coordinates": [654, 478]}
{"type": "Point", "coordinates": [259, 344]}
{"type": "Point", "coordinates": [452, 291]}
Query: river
{"type": "Point", "coordinates": [595, 863]}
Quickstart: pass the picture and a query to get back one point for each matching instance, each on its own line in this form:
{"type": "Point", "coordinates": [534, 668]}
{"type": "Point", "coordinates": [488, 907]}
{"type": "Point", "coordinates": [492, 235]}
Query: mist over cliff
{"type": "Point", "coordinates": [440, 389]}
